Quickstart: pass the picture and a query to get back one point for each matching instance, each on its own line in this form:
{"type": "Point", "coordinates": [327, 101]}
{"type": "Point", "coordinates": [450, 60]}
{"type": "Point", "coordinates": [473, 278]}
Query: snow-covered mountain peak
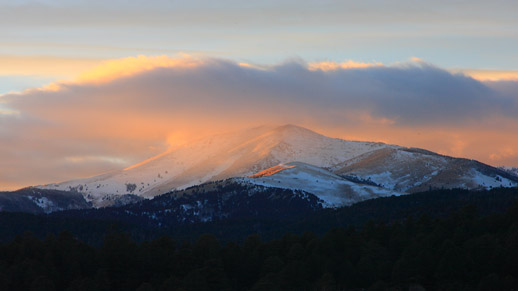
{"type": "Point", "coordinates": [235, 154]}
{"type": "Point", "coordinates": [291, 154]}
{"type": "Point", "coordinates": [290, 132]}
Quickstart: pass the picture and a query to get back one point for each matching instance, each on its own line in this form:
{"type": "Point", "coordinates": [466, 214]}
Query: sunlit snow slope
{"type": "Point", "coordinates": [332, 189]}
{"type": "Point", "coordinates": [222, 156]}
{"type": "Point", "coordinates": [360, 169]}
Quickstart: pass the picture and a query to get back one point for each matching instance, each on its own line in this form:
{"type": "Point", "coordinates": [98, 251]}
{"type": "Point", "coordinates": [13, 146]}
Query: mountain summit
{"type": "Point", "coordinates": [388, 168]}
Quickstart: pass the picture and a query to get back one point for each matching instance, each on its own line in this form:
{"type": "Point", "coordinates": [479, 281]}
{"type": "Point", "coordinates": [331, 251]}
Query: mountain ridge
{"type": "Point", "coordinates": [219, 157]}
{"type": "Point", "coordinates": [383, 169]}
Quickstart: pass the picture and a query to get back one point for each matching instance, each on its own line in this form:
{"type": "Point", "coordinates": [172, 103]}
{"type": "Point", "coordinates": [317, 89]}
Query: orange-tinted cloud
{"type": "Point", "coordinates": [490, 75]}
{"type": "Point", "coordinates": [132, 109]}
{"type": "Point", "coordinates": [333, 66]}
{"type": "Point", "coordinates": [114, 69]}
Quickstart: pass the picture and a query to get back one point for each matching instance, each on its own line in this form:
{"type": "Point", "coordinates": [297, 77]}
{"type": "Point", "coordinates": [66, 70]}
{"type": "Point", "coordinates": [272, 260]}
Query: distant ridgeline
{"type": "Point", "coordinates": [438, 240]}
{"type": "Point", "coordinates": [232, 211]}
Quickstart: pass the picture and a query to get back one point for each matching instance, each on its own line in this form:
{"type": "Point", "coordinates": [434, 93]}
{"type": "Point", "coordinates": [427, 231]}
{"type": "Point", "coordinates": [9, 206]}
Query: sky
{"type": "Point", "coordinates": [91, 86]}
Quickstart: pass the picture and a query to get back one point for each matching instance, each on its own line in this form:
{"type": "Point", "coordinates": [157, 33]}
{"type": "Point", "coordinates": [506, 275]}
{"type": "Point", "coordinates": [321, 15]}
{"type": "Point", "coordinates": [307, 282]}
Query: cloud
{"type": "Point", "coordinates": [115, 69]}
{"type": "Point", "coordinates": [490, 75]}
{"type": "Point", "coordinates": [333, 66]}
{"type": "Point", "coordinates": [131, 109]}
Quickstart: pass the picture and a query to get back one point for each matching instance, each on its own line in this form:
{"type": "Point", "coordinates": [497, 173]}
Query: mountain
{"type": "Point", "coordinates": [234, 217]}
{"type": "Point", "coordinates": [339, 172]}
{"type": "Point", "coordinates": [208, 202]}
{"type": "Point", "coordinates": [223, 156]}
{"type": "Point", "coordinates": [34, 200]}
{"type": "Point", "coordinates": [475, 231]}
{"type": "Point", "coordinates": [413, 170]}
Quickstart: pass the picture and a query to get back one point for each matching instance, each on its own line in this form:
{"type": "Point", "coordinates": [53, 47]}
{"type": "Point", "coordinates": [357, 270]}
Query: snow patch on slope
{"type": "Point", "coordinates": [42, 202]}
{"type": "Point", "coordinates": [488, 182]}
{"type": "Point", "coordinates": [511, 170]}
{"type": "Point", "coordinates": [335, 191]}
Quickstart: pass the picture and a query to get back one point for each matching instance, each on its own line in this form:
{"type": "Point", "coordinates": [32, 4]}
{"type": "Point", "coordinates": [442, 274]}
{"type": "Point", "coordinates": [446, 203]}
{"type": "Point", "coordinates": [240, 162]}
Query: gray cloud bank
{"type": "Point", "coordinates": [408, 93]}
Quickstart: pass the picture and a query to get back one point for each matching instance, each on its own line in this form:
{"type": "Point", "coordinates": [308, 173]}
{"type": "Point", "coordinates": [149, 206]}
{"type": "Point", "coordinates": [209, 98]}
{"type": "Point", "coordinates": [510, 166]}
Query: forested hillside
{"type": "Point", "coordinates": [267, 219]}
{"type": "Point", "coordinates": [463, 251]}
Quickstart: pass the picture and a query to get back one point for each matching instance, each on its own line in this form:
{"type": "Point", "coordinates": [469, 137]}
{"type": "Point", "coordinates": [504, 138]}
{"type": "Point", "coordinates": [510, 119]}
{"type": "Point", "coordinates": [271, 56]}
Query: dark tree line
{"type": "Point", "coordinates": [261, 214]}
{"type": "Point", "coordinates": [461, 251]}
